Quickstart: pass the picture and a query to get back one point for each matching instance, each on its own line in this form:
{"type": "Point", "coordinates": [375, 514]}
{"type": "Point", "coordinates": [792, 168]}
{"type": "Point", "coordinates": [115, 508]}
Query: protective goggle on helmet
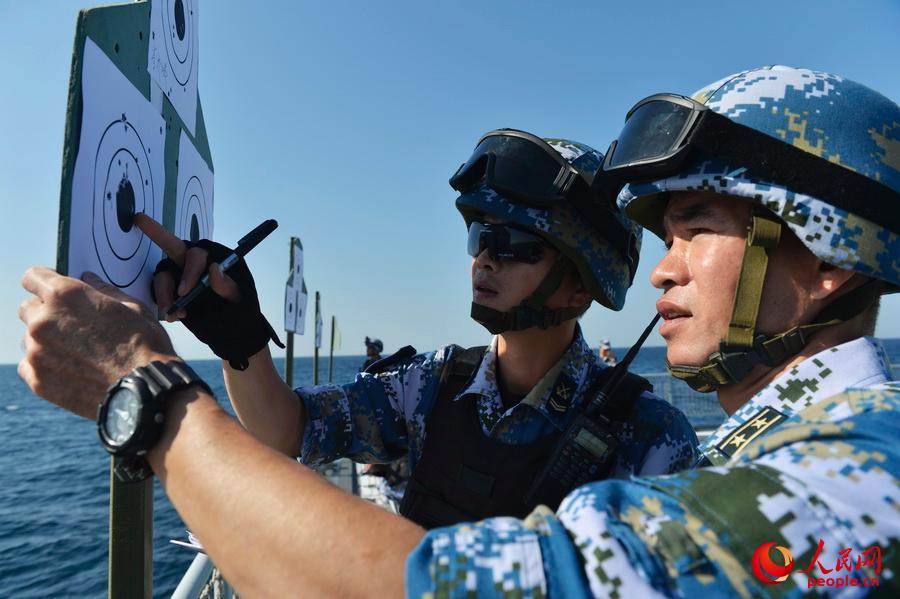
{"type": "Point", "coordinates": [524, 168]}
{"type": "Point", "coordinates": [664, 132]}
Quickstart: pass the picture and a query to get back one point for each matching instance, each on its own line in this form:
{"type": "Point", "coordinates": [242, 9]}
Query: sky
{"type": "Point", "coordinates": [344, 121]}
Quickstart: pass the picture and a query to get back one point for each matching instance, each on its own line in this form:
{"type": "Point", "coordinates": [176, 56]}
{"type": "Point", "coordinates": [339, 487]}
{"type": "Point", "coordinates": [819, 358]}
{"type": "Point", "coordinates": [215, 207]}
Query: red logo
{"type": "Point", "coordinates": [765, 568]}
{"type": "Point", "coordinates": [846, 571]}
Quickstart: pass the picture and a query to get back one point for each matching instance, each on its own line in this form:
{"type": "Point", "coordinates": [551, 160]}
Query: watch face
{"type": "Point", "coordinates": [122, 416]}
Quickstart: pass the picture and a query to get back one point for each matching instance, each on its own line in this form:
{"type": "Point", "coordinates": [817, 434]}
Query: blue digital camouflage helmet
{"type": "Point", "coordinates": [832, 177]}
{"type": "Point", "coordinates": [605, 261]}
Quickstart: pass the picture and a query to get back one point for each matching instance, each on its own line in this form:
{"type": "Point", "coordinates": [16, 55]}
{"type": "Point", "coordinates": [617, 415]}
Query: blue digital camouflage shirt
{"type": "Point", "coordinates": [378, 418]}
{"type": "Point", "coordinates": [810, 464]}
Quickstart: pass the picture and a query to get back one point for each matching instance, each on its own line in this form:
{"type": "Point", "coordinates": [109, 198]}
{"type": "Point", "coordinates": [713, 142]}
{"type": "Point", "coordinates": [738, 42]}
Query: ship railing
{"type": "Point", "coordinates": [202, 579]}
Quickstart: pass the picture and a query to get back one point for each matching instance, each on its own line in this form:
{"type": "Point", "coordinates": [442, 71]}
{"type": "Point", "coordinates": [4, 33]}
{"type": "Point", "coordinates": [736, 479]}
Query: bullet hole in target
{"type": "Point", "coordinates": [179, 19]}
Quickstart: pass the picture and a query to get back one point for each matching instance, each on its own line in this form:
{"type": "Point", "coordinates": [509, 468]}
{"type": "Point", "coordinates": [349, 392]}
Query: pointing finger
{"type": "Point", "coordinates": [171, 245]}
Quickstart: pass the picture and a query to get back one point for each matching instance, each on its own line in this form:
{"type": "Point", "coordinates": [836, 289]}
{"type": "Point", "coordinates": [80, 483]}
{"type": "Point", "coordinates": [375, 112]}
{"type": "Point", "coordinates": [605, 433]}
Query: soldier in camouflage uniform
{"type": "Point", "coordinates": [375, 418]}
{"type": "Point", "coordinates": [809, 459]}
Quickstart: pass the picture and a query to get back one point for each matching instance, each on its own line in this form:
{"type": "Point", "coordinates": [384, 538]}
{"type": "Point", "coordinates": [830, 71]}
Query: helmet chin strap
{"type": "Point", "coordinates": [743, 349]}
{"type": "Point", "coordinates": [532, 311]}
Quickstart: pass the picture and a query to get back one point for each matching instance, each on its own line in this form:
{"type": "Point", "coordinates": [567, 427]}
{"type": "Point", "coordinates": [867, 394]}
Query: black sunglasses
{"type": "Point", "coordinates": [503, 242]}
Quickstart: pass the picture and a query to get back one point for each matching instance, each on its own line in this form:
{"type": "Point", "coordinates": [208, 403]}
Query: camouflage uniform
{"type": "Point", "coordinates": [378, 418]}
{"type": "Point", "coordinates": [805, 465]}
{"type": "Point", "coordinates": [811, 463]}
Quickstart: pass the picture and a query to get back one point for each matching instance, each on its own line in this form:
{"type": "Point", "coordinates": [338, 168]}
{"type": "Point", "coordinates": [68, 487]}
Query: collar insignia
{"type": "Point", "coordinates": [755, 426]}
{"type": "Point", "coordinates": [562, 396]}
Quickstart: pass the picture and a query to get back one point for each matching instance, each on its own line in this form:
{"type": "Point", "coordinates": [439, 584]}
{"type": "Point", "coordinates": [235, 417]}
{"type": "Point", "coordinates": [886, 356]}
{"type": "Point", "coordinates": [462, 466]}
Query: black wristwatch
{"type": "Point", "coordinates": [130, 420]}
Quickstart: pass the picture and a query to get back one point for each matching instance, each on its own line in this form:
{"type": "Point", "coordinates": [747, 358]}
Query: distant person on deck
{"type": "Point", "coordinates": [374, 347]}
{"type": "Point", "coordinates": [606, 353]}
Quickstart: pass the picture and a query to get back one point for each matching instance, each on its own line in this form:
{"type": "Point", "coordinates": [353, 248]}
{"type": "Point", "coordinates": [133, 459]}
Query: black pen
{"type": "Point", "coordinates": [246, 243]}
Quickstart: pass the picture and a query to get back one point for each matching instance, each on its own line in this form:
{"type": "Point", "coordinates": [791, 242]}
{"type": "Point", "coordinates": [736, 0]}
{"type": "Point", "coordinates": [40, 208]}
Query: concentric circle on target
{"type": "Point", "coordinates": [193, 212]}
{"type": "Point", "coordinates": [122, 186]}
{"type": "Point", "coordinates": [178, 31]}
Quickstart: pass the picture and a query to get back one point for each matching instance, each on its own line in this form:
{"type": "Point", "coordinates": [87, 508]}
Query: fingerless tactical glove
{"type": "Point", "coordinates": [234, 331]}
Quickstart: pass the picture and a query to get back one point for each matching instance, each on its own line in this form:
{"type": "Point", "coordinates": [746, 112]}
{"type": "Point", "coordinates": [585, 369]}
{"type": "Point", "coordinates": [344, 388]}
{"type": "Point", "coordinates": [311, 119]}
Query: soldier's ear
{"type": "Point", "coordinates": [831, 280]}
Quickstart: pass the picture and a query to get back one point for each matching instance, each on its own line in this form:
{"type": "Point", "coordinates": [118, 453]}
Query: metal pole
{"type": "Point", "coordinates": [316, 350]}
{"type": "Point", "coordinates": [331, 351]}
{"type": "Point", "coordinates": [130, 537]}
{"type": "Point", "coordinates": [289, 350]}
{"type": "Point", "coordinates": [289, 361]}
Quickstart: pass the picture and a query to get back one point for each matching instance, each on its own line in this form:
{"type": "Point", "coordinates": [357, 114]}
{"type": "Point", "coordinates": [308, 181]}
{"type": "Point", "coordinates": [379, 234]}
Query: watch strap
{"type": "Point", "coordinates": [132, 469]}
{"type": "Point", "coordinates": [166, 377]}
{"type": "Point", "coordinates": [162, 379]}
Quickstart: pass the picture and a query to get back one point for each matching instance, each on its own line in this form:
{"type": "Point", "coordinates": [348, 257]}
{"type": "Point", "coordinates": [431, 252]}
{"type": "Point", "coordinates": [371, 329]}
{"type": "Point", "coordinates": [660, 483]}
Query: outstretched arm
{"type": "Point", "coordinates": [274, 527]}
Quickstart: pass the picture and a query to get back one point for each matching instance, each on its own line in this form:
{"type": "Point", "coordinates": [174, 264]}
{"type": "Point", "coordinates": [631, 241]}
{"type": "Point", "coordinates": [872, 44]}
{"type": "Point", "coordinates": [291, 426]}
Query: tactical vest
{"type": "Point", "coordinates": [464, 475]}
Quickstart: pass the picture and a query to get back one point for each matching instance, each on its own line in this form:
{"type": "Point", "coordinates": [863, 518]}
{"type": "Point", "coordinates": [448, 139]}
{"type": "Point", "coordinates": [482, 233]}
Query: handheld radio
{"type": "Point", "coordinates": [584, 452]}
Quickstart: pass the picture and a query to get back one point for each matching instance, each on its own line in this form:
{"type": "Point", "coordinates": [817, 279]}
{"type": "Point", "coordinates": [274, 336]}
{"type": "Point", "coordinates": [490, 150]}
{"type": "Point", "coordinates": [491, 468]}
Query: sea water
{"type": "Point", "coordinates": [54, 486]}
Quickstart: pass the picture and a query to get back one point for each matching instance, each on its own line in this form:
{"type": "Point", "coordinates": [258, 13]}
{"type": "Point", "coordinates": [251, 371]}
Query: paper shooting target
{"type": "Point", "coordinates": [193, 220]}
{"type": "Point", "coordinates": [178, 31]}
{"type": "Point", "coordinates": [119, 172]}
{"type": "Point", "coordinates": [295, 295]}
{"type": "Point", "coordinates": [123, 185]}
{"type": "Point", "coordinates": [194, 200]}
{"type": "Point", "coordinates": [172, 58]}
{"type": "Point", "coordinates": [290, 308]}
{"type": "Point", "coordinates": [302, 297]}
